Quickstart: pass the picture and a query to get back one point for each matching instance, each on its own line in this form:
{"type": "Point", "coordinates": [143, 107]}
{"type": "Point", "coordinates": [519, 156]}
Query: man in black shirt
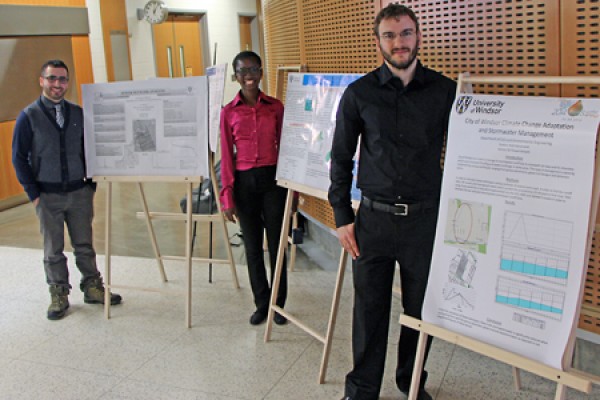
{"type": "Point", "coordinates": [400, 111]}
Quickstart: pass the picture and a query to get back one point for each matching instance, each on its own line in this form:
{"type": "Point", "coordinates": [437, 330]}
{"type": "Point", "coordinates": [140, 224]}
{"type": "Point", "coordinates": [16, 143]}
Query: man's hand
{"type": "Point", "coordinates": [348, 240]}
{"type": "Point", "coordinates": [36, 201]}
{"type": "Point", "coordinates": [229, 215]}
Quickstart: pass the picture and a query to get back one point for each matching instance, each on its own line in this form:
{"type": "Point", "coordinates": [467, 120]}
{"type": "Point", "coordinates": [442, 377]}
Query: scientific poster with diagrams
{"type": "Point", "coordinates": [510, 258]}
{"type": "Point", "coordinates": [311, 104]}
{"type": "Point", "coordinates": [157, 127]}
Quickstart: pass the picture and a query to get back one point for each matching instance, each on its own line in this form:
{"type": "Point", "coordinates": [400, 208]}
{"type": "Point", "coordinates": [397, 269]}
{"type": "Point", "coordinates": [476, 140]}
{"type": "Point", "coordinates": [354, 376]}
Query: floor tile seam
{"type": "Point", "coordinates": [291, 365]}
{"type": "Point", "coordinates": [91, 372]}
{"type": "Point", "coordinates": [108, 390]}
{"type": "Point", "coordinates": [158, 352]}
{"type": "Point", "coordinates": [438, 389]}
{"type": "Point", "coordinates": [34, 348]}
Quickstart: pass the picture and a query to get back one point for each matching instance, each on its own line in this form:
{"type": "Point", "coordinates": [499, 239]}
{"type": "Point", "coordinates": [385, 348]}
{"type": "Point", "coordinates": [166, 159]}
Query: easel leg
{"type": "Point", "coordinates": [188, 258]}
{"type": "Point", "coordinates": [107, 249]}
{"type": "Point", "coordinates": [210, 249]}
{"type": "Point", "coordinates": [561, 392]}
{"type": "Point", "coordinates": [516, 378]}
{"type": "Point", "coordinates": [293, 246]}
{"type": "Point", "coordinates": [152, 233]}
{"type": "Point", "coordinates": [236, 283]}
{"type": "Point", "coordinates": [279, 263]}
{"type": "Point", "coordinates": [213, 176]}
{"type": "Point", "coordinates": [339, 283]}
{"type": "Point", "coordinates": [416, 376]}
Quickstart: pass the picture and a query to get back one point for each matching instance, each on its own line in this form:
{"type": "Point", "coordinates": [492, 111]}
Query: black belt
{"type": "Point", "coordinates": [400, 209]}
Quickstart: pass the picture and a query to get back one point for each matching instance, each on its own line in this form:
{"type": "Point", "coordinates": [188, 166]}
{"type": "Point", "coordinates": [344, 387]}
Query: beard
{"type": "Point", "coordinates": [55, 95]}
{"type": "Point", "coordinates": [401, 65]}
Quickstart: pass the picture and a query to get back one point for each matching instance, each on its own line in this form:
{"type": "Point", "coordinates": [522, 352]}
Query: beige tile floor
{"type": "Point", "coordinates": [145, 351]}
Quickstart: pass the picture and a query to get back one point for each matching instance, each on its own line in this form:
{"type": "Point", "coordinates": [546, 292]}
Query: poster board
{"type": "Point", "coordinates": [510, 247]}
{"type": "Point", "coordinates": [216, 91]}
{"type": "Point", "coordinates": [152, 128]}
{"type": "Point", "coordinates": [308, 126]}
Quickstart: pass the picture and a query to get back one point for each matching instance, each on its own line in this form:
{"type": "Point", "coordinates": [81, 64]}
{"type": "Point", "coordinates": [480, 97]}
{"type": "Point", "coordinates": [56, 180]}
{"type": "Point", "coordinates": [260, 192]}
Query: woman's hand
{"type": "Point", "coordinates": [229, 215]}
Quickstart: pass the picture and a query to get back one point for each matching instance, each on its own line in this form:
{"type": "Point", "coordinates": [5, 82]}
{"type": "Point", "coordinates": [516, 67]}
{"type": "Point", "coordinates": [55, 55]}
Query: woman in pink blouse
{"type": "Point", "coordinates": [250, 136]}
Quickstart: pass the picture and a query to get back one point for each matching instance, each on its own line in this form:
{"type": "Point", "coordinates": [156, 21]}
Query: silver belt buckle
{"type": "Point", "coordinates": [404, 212]}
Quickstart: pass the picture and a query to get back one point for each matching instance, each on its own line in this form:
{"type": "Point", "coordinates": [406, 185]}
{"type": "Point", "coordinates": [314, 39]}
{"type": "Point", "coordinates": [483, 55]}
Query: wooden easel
{"type": "Point", "coordinates": [327, 338]}
{"type": "Point", "coordinates": [570, 378]}
{"type": "Point", "coordinates": [148, 216]}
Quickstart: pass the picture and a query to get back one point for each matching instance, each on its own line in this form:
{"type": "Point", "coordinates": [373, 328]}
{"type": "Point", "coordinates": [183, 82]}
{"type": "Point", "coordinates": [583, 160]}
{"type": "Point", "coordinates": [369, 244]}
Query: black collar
{"type": "Point", "coordinates": [385, 75]}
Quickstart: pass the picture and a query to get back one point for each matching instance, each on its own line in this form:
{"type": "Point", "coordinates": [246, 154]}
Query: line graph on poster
{"type": "Point", "coordinates": [536, 246]}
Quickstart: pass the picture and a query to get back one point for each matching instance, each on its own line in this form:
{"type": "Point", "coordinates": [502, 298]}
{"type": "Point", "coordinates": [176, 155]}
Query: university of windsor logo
{"type": "Point", "coordinates": [463, 104]}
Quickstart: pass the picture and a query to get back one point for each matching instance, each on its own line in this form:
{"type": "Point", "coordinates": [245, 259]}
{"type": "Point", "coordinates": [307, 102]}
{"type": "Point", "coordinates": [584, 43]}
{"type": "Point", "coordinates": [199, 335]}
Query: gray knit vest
{"type": "Point", "coordinates": [57, 155]}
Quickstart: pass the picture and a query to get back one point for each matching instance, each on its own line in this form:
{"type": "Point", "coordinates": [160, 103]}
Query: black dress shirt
{"type": "Point", "coordinates": [402, 132]}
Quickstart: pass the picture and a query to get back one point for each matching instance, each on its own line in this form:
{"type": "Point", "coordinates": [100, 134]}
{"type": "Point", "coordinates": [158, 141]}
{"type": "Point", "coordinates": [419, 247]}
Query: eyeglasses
{"type": "Point", "coordinates": [54, 78]}
{"type": "Point", "coordinates": [407, 34]}
{"type": "Point", "coordinates": [248, 71]}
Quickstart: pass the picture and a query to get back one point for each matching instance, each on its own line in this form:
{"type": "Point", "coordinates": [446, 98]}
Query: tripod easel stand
{"type": "Point", "coordinates": [568, 378]}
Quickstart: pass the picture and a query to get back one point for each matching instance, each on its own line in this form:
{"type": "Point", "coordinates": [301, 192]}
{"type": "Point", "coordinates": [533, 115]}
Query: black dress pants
{"type": "Point", "coordinates": [383, 239]}
{"type": "Point", "coordinates": [260, 206]}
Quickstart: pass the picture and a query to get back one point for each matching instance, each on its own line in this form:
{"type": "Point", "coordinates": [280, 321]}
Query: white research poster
{"type": "Point", "coordinates": [157, 127]}
{"type": "Point", "coordinates": [510, 247]}
{"type": "Point", "coordinates": [311, 104]}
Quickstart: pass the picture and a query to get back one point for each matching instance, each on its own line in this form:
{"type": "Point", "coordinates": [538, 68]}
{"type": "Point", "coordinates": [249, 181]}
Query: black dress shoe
{"type": "Point", "coordinates": [279, 319]}
{"type": "Point", "coordinates": [422, 395]}
{"type": "Point", "coordinates": [257, 318]}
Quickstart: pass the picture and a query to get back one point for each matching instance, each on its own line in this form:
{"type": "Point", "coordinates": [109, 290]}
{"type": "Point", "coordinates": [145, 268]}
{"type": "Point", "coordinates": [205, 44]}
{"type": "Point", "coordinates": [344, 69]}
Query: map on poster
{"type": "Point", "coordinates": [510, 250]}
{"type": "Point", "coordinates": [157, 127]}
{"type": "Point", "coordinates": [308, 126]}
{"type": "Point", "coordinates": [216, 91]}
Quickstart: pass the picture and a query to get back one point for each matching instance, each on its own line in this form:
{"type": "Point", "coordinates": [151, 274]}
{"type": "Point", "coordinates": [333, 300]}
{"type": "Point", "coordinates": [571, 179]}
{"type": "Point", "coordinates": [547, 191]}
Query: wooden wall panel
{"type": "Point", "coordinates": [82, 67]}
{"type": "Point", "coordinates": [490, 37]}
{"type": "Point", "coordinates": [58, 3]}
{"type": "Point", "coordinates": [338, 36]}
{"type": "Point", "coordinates": [589, 319]}
{"type": "Point", "coordinates": [281, 36]}
{"type": "Point", "coordinates": [318, 209]}
{"type": "Point", "coordinates": [9, 186]}
{"type": "Point", "coordinates": [580, 43]}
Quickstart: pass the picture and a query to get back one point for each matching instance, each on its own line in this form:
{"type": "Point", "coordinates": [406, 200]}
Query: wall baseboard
{"type": "Point", "coordinates": [13, 201]}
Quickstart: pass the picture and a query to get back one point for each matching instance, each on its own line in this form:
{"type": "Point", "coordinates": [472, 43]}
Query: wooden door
{"type": "Point", "coordinates": [246, 33]}
{"type": "Point", "coordinates": [178, 47]}
{"type": "Point", "coordinates": [116, 40]}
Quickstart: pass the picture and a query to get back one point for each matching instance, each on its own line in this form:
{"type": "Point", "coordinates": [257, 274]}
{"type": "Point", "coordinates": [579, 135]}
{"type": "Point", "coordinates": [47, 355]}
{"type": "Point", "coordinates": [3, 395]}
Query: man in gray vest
{"type": "Point", "coordinates": [48, 156]}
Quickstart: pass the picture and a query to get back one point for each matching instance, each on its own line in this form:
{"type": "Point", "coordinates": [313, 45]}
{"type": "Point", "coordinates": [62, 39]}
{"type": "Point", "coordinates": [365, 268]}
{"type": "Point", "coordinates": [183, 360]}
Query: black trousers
{"type": "Point", "coordinates": [383, 239]}
{"type": "Point", "coordinates": [260, 205]}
